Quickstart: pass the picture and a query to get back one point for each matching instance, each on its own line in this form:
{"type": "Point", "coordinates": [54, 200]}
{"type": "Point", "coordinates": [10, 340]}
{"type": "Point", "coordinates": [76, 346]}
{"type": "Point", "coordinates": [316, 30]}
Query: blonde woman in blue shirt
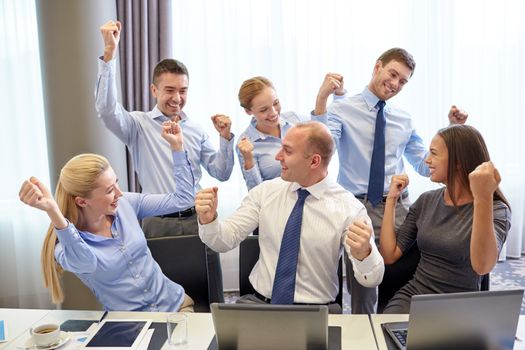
{"type": "Point", "coordinates": [95, 234]}
{"type": "Point", "coordinates": [261, 141]}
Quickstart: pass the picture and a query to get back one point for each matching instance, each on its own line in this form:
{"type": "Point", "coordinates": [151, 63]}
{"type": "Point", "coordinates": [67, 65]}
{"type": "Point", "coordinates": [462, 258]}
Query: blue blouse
{"type": "Point", "coordinates": [120, 270]}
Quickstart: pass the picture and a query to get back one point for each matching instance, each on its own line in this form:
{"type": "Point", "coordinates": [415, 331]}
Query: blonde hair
{"type": "Point", "coordinates": [77, 179]}
{"type": "Point", "coordinates": [251, 88]}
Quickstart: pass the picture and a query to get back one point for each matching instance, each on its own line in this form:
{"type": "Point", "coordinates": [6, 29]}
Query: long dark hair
{"type": "Point", "coordinates": [466, 150]}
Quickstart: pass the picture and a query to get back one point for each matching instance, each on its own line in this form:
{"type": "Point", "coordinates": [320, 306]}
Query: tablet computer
{"type": "Point", "coordinates": [3, 331]}
{"type": "Point", "coordinates": [118, 335]}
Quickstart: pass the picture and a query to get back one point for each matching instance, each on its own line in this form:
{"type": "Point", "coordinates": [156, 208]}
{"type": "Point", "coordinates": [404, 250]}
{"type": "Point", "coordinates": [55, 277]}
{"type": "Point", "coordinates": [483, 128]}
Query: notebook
{"type": "Point", "coordinates": [266, 326]}
{"type": "Point", "coordinates": [471, 320]}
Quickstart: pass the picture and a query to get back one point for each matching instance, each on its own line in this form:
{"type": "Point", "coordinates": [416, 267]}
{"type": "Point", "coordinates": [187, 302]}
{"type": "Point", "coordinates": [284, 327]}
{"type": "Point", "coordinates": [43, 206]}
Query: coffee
{"type": "Point", "coordinates": [45, 330]}
{"type": "Point", "coordinates": [45, 334]}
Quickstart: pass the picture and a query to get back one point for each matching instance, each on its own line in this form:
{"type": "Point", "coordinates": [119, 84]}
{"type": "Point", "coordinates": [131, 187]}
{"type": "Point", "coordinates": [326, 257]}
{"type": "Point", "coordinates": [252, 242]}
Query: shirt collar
{"type": "Point", "coordinates": [156, 114]}
{"type": "Point", "coordinates": [255, 134]}
{"type": "Point", "coordinates": [371, 99]}
{"type": "Point", "coordinates": [317, 190]}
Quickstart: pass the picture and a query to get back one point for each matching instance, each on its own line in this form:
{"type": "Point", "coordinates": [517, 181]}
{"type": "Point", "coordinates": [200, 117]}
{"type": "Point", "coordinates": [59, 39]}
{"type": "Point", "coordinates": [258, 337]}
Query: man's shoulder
{"type": "Point", "coordinates": [274, 184]}
{"type": "Point", "coordinates": [337, 192]}
{"type": "Point", "coordinates": [348, 104]}
{"type": "Point", "coordinates": [395, 110]}
{"type": "Point", "coordinates": [193, 126]}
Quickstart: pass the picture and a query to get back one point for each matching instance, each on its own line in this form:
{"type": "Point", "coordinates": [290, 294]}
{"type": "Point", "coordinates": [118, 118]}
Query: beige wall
{"type": "Point", "coordinates": [70, 44]}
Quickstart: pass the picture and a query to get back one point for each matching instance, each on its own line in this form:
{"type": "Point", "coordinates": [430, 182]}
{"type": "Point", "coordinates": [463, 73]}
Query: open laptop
{"type": "Point", "coordinates": [471, 320]}
{"type": "Point", "coordinates": [260, 326]}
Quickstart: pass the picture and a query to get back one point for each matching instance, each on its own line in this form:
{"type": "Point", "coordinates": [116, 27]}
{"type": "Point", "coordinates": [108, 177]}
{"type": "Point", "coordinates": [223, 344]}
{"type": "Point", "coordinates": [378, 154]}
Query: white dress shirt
{"type": "Point", "coordinates": [328, 211]}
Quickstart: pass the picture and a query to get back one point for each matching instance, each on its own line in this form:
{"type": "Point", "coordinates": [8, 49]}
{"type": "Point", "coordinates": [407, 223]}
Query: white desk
{"type": "Point", "coordinates": [19, 321]}
{"type": "Point", "coordinates": [519, 344]}
{"type": "Point", "coordinates": [356, 332]}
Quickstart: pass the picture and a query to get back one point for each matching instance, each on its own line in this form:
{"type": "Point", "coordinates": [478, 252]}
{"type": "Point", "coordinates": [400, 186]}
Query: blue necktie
{"type": "Point", "coordinates": [376, 181]}
{"type": "Point", "coordinates": [284, 283]}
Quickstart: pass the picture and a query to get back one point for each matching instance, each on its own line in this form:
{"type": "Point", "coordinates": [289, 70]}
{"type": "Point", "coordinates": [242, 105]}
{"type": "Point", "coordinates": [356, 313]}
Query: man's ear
{"type": "Point", "coordinates": [316, 161]}
{"type": "Point", "coordinates": [153, 90]}
{"type": "Point", "coordinates": [248, 111]}
{"type": "Point", "coordinates": [80, 202]}
{"type": "Point", "coordinates": [378, 65]}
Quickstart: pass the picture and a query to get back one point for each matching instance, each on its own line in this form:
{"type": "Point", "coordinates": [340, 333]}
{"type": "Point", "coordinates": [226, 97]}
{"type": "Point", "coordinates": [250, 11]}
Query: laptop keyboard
{"type": "Point", "coordinates": [401, 335]}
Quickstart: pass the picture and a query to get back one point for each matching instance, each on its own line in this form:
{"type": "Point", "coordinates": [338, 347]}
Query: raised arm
{"type": "Point", "coordinates": [249, 167]}
{"type": "Point", "coordinates": [172, 133]}
{"type": "Point", "coordinates": [111, 35]}
{"type": "Point", "coordinates": [387, 240]}
{"type": "Point", "coordinates": [37, 195]}
{"type": "Point", "coordinates": [73, 254]}
{"type": "Point", "coordinates": [219, 163]}
{"type": "Point", "coordinates": [457, 115]}
{"type": "Point", "coordinates": [484, 181]}
{"type": "Point", "coordinates": [367, 263]}
{"type": "Point", "coordinates": [115, 117]}
{"type": "Point", "coordinates": [146, 205]}
{"type": "Point", "coordinates": [228, 234]}
{"type": "Point", "coordinates": [332, 83]}
{"type": "Point", "coordinates": [206, 205]}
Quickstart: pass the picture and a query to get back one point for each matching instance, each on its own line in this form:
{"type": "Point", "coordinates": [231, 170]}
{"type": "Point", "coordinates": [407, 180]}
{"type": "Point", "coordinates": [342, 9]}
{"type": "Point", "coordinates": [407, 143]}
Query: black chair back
{"type": "Point", "coordinates": [183, 260]}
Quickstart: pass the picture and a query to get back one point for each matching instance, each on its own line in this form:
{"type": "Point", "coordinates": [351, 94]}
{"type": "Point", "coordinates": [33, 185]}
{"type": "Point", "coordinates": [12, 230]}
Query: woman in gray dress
{"type": "Point", "coordinates": [459, 228]}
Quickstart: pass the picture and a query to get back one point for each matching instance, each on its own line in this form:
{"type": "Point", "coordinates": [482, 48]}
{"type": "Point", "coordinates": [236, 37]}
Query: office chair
{"type": "Point", "coordinates": [248, 256]}
{"type": "Point", "coordinates": [183, 260]}
{"type": "Point", "coordinates": [396, 276]}
{"type": "Point", "coordinates": [76, 295]}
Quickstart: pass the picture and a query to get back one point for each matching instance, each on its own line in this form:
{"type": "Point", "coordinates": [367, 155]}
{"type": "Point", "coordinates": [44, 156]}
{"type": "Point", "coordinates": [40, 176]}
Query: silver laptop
{"type": "Point", "coordinates": [472, 320]}
{"type": "Point", "coordinates": [259, 326]}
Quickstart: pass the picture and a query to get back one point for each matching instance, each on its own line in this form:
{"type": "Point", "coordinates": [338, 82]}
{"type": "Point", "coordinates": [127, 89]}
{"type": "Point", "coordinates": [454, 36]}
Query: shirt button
{"type": "Point", "coordinates": [137, 276]}
{"type": "Point", "coordinates": [145, 290]}
{"type": "Point", "coordinates": [130, 262]}
{"type": "Point", "coordinates": [152, 305]}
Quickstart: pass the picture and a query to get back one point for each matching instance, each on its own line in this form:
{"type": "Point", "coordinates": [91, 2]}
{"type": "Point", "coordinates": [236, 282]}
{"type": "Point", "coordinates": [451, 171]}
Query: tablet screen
{"type": "Point", "coordinates": [3, 336]}
{"type": "Point", "coordinates": [116, 334]}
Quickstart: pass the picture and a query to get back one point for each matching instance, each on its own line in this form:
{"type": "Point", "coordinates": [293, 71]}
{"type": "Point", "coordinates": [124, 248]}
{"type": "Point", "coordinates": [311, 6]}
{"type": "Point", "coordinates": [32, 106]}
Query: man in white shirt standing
{"type": "Point", "coordinates": [332, 220]}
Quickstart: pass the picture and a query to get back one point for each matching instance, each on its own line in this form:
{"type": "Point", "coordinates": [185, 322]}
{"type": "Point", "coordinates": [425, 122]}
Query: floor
{"type": "Point", "coordinates": [509, 274]}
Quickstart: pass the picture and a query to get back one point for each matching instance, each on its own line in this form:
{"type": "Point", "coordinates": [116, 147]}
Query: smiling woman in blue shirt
{"type": "Point", "coordinates": [261, 140]}
{"type": "Point", "coordinates": [95, 234]}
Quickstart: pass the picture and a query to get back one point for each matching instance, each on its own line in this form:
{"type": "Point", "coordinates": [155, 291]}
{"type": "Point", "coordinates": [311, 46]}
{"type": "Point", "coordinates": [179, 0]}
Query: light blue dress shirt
{"type": "Point", "coordinates": [352, 124]}
{"type": "Point", "coordinates": [121, 271]}
{"type": "Point", "coordinates": [265, 147]}
{"type": "Point", "coordinates": [141, 132]}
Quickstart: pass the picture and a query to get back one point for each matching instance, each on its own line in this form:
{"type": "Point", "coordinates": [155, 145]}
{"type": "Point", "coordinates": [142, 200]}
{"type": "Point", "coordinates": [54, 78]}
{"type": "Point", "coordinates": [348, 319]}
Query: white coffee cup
{"type": "Point", "coordinates": [45, 334]}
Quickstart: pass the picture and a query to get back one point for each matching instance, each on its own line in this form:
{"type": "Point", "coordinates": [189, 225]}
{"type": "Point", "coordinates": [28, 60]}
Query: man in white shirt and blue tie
{"type": "Point", "coordinates": [331, 220]}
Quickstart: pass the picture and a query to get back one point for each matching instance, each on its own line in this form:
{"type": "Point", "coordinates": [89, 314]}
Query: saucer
{"type": "Point", "coordinates": [64, 338]}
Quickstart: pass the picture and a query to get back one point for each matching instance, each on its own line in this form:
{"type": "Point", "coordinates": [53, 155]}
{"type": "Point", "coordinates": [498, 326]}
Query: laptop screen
{"type": "Point", "coordinates": [472, 320]}
{"type": "Point", "coordinates": [260, 326]}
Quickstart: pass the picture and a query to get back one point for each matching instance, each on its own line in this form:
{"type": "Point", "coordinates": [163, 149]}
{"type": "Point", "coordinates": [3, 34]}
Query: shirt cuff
{"type": "Point", "coordinates": [368, 264]}
{"type": "Point", "coordinates": [106, 68]}
{"type": "Point", "coordinates": [339, 97]}
{"type": "Point", "coordinates": [226, 145]}
{"type": "Point", "coordinates": [210, 229]}
{"type": "Point", "coordinates": [68, 235]}
{"type": "Point", "coordinates": [323, 118]}
{"type": "Point", "coordinates": [180, 157]}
